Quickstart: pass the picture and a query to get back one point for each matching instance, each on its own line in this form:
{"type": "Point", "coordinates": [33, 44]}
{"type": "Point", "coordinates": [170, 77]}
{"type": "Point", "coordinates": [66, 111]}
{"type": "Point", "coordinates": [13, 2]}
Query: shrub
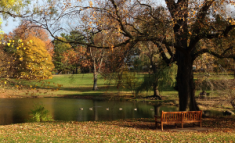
{"type": "Point", "coordinates": [39, 114]}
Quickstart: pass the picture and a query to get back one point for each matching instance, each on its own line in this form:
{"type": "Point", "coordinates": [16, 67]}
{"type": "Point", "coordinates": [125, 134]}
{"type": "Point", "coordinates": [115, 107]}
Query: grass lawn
{"type": "Point", "coordinates": [142, 130]}
{"type": "Point", "coordinates": [79, 85]}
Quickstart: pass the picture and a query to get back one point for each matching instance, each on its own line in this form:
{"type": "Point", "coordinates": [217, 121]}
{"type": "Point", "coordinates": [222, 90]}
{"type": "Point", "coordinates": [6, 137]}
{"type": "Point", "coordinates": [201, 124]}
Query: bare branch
{"type": "Point", "coordinates": [228, 29]}
{"type": "Point", "coordinates": [196, 29]}
{"type": "Point", "coordinates": [203, 11]}
{"type": "Point", "coordinates": [214, 53]}
{"type": "Point", "coordinates": [13, 15]}
{"type": "Point", "coordinates": [169, 50]}
{"type": "Point", "coordinates": [223, 33]}
{"type": "Point", "coordinates": [120, 20]}
{"type": "Point", "coordinates": [163, 55]}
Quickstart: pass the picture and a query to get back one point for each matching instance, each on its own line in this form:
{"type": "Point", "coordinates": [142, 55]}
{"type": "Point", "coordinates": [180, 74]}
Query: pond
{"type": "Point", "coordinates": [64, 109]}
{"type": "Point", "coordinates": [17, 110]}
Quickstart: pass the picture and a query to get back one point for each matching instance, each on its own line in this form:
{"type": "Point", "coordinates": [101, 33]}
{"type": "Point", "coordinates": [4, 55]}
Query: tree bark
{"type": "Point", "coordinates": [234, 70]}
{"type": "Point", "coordinates": [76, 69]}
{"type": "Point", "coordinates": [94, 76]}
{"type": "Point", "coordinates": [185, 84]}
{"type": "Point", "coordinates": [156, 92]}
{"type": "Point", "coordinates": [95, 82]}
{"type": "Point", "coordinates": [155, 84]}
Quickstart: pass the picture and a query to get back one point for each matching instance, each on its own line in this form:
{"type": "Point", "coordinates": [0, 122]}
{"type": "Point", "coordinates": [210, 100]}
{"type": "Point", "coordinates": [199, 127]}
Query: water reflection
{"type": "Point", "coordinates": [16, 110]}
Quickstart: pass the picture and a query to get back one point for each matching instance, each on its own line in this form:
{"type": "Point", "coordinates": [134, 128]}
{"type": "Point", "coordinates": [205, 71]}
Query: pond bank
{"type": "Point", "coordinates": [204, 104]}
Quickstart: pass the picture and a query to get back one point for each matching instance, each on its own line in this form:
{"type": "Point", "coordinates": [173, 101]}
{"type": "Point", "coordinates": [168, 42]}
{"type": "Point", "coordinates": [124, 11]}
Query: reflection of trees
{"type": "Point", "coordinates": [157, 108]}
{"type": "Point", "coordinates": [16, 111]}
{"type": "Point", "coordinates": [6, 117]}
{"type": "Point", "coordinates": [95, 111]}
{"type": "Point", "coordinates": [100, 113]}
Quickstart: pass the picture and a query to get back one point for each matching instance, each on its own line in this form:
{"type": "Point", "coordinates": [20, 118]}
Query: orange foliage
{"type": "Point", "coordinates": [28, 29]}
{"type": "Point", "coordinates": [78, 56]}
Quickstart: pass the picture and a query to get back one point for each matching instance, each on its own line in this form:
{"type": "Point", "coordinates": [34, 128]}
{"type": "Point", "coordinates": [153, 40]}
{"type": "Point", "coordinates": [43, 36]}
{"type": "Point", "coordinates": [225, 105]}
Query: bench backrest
{"type": "Point", "coordinates": [181, 116]}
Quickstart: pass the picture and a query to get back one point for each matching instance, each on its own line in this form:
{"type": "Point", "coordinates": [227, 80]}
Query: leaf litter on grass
{"type": "Point", "coordinates": [142, 130]}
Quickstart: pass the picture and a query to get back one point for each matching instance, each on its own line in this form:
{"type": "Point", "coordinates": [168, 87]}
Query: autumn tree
{"type": "Point", "coordinates": [71, 58]}
{"type": "Point", "coordinates": [191, 22]}
{"type": "Point", "coordinates": [27, 29]}
{"type": "Point", "coordinates": [7, 66]}
{"type": "Point", "coordinates": [7, 8]}
{"type": "Point", "coordinates": [22, 33]}
{"type": "Point", "coordinates": [34, 61]}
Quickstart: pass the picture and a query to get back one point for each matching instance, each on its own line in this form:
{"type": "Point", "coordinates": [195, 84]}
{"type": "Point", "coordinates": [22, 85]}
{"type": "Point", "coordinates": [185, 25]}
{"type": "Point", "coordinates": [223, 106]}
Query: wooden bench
{"type": "Point", "coordinates": [179, 117]}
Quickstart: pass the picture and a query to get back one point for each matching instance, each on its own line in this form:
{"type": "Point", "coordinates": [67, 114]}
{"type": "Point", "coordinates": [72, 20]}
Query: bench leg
{"type": "Point", "coordinates": [182, 125]}
{"type": "Point", "coordinates": [162, 126]}
{"type": "Point", "coordinates": [200, 124]}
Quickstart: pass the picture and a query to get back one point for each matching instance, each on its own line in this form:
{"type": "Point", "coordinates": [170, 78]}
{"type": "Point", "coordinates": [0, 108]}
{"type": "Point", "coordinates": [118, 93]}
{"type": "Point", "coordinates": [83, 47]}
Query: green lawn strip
{"type": "Point", "coordinates": [80, 85]}
{"type": "Point", "coordinates": [77, 85]}
{"type": "Point", "coordinates": [114, 131]}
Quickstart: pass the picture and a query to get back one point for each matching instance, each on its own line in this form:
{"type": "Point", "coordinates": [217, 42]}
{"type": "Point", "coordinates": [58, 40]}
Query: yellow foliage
{"type": "Point", "coordinates": [35, 60]}
{"type": "Point", "coordinates": [10, 5]}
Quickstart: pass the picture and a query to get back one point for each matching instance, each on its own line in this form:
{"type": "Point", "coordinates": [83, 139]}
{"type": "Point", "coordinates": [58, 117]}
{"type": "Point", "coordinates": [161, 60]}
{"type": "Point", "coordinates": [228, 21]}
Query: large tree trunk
{"type": "Point", "coordinates": [185, 84]}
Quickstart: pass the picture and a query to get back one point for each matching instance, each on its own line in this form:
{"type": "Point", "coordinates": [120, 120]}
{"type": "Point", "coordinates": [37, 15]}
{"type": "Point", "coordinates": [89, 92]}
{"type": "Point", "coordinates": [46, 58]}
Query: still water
{"type": "Point", "coordinates": [17, 110]}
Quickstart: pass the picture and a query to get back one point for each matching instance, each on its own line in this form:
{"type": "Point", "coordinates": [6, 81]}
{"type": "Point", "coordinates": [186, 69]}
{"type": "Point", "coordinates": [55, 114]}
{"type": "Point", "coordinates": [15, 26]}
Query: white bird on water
{"type": "Point", "coordinates": [90, 108]}
{"type": "Point", "coordinates": [135, 109]}
{"type": "Point", "coordinates": [120, 108]}
{"type": "Point", "coordinates": [107, 108]}
{"type": "Point", "coordinates": [81, 108]}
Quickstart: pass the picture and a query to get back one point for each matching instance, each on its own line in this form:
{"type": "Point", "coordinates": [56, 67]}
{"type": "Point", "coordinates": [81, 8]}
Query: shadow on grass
{"type": "Point", "coordinates": [227, 123]}
{"type": "Point", "coordinates": [84, 95]}
{"type": "Point", "coordinates": [101, 89]}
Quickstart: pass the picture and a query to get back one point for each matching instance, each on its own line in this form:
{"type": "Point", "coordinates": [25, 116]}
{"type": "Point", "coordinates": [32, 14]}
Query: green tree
{"type": "Point", "coordinates": [160, 75]}
{"type": "Point", "coordinates": [78, 56]}
{"type": "Point", "coordinates": [60, 48]}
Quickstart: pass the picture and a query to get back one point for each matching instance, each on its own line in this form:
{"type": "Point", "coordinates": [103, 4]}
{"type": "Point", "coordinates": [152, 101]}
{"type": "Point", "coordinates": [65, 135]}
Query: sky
{"type": "Point", "coordinates": [10, 24]}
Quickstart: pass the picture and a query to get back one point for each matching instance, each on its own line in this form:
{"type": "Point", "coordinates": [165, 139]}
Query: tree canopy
{"type": "Point", "coordinates": [33, 59]}
{"type": "Point", "coordinates": [12, 8]}
{"type": "Point", "coordinates": [188, 24]}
